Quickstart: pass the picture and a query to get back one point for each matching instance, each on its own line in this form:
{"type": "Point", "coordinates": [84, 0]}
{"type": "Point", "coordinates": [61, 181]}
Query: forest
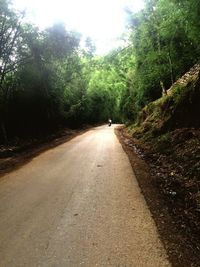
{"type": "Point", "coordinates": [52, 88]}
{"type": "Point", "coordinates": [48, 81]}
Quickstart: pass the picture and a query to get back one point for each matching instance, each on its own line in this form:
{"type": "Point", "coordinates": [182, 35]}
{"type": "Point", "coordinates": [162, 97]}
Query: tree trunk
{"type": "Point", "coordinates": [4, 132]}
{"type": "Point", "coordinates": [171, 68]}
{"type": "Point", "coordinates": [164, 91]}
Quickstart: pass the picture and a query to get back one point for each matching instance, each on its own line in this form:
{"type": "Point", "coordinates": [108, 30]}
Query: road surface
{"type": "Point", "coordinates": [78, 204]}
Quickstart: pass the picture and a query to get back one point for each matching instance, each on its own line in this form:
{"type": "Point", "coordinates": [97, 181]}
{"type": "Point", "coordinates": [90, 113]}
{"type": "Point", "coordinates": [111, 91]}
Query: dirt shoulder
{"type": "Point", "coordinates": [157, 176]}
{"type": "Point", "coordinates": [14, 156]}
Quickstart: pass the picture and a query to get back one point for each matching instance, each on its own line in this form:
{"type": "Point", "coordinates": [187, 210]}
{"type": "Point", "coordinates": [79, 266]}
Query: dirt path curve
{"type": "Point", "coordinates": [77, 205]}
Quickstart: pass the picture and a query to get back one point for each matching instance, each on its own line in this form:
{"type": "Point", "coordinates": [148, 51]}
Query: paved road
{"type": "Point", "coordinates": [77, 205]}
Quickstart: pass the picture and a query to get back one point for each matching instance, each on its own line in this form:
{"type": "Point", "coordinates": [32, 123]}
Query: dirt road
{"type": "Point", "coordinates": [77, 205]}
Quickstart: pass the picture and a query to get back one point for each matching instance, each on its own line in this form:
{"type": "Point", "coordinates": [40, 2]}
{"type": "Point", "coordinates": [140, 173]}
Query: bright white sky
{"type": "Point", "coordinates": [102, 20]}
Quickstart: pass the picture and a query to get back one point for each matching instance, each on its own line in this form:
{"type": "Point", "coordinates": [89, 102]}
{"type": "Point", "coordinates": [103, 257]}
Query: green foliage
{"type": "Point", "coordinates": [164, 48]}
{"type": "Point", "coordinates": [47, 81]}
{"type": "Point", "coordinates": [105, 89]}
{"type": "Point", "coordinates": [40, 83]}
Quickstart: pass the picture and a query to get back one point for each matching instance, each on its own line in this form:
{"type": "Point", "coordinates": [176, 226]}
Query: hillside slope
{"type": "Point", "coordinates": [171, 124]}
{"type": "Point", "coordinates": [179, 108]}
{"type": "Point", "coordinates": [167, 137]}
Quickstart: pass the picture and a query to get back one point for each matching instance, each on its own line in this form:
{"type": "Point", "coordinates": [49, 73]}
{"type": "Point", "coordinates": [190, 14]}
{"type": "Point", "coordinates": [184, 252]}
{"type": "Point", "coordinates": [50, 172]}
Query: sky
{"type": "Point", "coordinates": [102, 20]}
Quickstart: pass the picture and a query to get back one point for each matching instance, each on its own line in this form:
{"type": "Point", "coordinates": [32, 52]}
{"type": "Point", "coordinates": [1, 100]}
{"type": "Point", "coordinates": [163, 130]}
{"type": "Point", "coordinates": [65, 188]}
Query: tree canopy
{"type": "Point", "coordinates": [47, 80]}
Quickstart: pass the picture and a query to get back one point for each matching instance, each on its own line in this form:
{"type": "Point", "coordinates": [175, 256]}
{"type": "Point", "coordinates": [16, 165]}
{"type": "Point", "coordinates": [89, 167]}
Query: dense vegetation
{"type": "Point", "coordinates": [48, 81]}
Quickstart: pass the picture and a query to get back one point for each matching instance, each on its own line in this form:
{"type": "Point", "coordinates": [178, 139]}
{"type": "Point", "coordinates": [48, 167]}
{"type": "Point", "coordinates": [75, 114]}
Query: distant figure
{"type": "Point", "coordinates": [109, 122]}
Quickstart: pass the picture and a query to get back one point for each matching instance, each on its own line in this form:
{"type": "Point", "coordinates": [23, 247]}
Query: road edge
{"type": "Point", "coordinates": [178, 255]}
{"type": "Point", "coordinates": [23, 157]}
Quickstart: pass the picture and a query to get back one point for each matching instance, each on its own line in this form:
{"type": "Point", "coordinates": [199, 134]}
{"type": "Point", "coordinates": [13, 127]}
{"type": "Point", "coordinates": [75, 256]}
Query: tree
{"type": "Point", "coordinates": [90, 48]}
{"type": "Point", "coordinates": [163, 48]}
{"type": "Point", "coordinates": [10, 58]}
